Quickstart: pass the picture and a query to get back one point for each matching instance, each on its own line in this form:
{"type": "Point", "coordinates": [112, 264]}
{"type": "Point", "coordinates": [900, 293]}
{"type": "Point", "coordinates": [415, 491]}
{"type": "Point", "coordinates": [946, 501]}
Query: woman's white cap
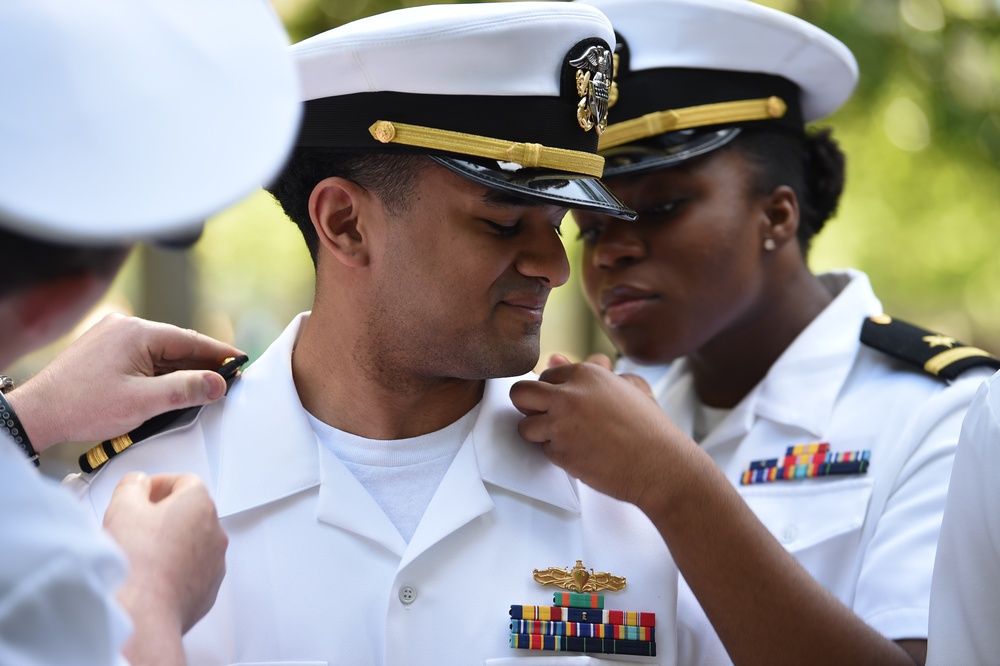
{"type": "Point", "coordinates": [691, 73]}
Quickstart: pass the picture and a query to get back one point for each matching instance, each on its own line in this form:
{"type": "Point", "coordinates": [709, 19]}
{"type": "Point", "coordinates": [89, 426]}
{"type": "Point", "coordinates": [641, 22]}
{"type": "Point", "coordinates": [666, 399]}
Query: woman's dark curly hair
{"type": "Point", "coordinates": [811, 164]}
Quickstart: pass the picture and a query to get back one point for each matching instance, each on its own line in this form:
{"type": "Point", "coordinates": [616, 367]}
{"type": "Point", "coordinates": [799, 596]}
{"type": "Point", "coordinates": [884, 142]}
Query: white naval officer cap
{"type": "Point", "coordinates": [692, 73]}
{"type": "Point", "coordinates": [125, 120]}
{"type": "Point", "coordinates": [512, 95]}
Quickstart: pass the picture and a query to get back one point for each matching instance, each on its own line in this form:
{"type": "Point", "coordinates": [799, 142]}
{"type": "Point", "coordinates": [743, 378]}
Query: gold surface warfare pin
{"type": "Point", "coordinates": [579, 579]}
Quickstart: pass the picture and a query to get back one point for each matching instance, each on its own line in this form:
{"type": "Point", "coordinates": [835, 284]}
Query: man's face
{"type": "Point", "coordinates": [460, 281]}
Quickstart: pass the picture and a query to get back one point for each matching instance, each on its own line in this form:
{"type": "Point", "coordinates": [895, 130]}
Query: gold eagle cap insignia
{"type": "Point", "coordinates": [579, 579]}
{"type": "Point", "coordinates": [594, 77]}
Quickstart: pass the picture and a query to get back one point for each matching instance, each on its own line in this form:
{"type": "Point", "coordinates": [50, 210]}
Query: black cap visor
{"type": "Point", "coordinates": [568, 190]}
{"type": "Point", "coordinates": [665, 150]}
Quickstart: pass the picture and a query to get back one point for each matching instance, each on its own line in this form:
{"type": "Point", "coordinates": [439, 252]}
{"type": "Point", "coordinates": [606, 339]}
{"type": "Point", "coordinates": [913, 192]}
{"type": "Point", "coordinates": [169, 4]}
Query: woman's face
{"type": "Point", "coordinates": [689, 269]}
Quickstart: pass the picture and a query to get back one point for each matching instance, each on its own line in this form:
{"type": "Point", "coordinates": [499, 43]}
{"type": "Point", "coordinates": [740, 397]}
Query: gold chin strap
{"type": "Point", "coordinates": [533, 155]}
{"type": "Point", "coordinates": [652, 124]}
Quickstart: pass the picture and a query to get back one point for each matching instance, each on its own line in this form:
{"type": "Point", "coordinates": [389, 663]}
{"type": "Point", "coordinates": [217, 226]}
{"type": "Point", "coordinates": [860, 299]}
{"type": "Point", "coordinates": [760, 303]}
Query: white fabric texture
{"type": "Point", "coordinates": [870, 539]}
{"type": "Point", "coordinates": [461, 49]}
{"type": "Point", "coordinates": [58, 574]}
{"type": "Point", "coordinates": [706, 419]}
{"type": "Point", "coordinates": [965, 594]}
{"type": "Point", "coordinates": [317, 573]}
{"type": "Point", "coordinates": [400, 475]}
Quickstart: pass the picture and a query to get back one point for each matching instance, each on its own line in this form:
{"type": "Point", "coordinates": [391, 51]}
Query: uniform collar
{"type": "Point", "coordinates": [269, 451]}
{"type": "Point", "coordinates": [818, 361]}
{"type": "Point", "coordinates": [820, 358]}
{"type": "Point", "coordinates": [508, 461]}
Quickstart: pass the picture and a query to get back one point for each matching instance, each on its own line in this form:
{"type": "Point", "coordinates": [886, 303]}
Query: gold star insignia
{"type": "Point", "coordinates": [939, 341]}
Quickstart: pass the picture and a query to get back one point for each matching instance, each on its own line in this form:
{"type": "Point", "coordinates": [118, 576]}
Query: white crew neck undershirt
{"type": "Point", "coordinates": [706, 419]}
{"type": "Point", "coordinates": [401, 475]}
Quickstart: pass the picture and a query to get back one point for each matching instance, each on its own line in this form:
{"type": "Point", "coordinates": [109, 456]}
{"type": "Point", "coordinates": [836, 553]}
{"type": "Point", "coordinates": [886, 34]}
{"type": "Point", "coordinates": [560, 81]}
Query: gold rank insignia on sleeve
{"type": "Point", "coordinates": [936, 354]}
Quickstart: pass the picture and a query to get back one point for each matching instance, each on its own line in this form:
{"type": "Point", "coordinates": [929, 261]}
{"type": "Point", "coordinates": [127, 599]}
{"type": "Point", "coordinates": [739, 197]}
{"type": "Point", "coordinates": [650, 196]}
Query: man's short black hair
{"type": "Point", "coordinates": [28, 262]}
{"type": "Point", "coordinates": [390, 177]}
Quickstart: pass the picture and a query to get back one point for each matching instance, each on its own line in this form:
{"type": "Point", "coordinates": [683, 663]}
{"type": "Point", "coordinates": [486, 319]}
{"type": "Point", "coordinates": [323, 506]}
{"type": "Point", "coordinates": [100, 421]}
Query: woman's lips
{"type": "Point", "coordinates": [620, 305]}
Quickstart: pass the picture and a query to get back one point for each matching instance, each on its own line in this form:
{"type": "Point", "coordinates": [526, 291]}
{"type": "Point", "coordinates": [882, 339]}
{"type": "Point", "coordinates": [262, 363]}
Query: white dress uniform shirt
{"type": "Point", "coordinates": [870, 539]}
{"type": "Point", "coordinates": [58, 574]}
{"type": "Point", "coordinates": [965, 595]}
{"type": "Point", "coordinates": [317, 574]}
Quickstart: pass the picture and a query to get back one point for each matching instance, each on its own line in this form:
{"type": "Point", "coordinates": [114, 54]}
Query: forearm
{"type": "Point", "coordinates": [746, 582]}
{"type": "Point", "coordinates": [156, 636]}
{"type": "Point", "coordinates": [41, 421]}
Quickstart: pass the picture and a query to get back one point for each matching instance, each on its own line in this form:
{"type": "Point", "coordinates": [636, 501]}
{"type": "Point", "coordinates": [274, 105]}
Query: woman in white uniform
{"type": "Point", "coordinates": [800, 478]}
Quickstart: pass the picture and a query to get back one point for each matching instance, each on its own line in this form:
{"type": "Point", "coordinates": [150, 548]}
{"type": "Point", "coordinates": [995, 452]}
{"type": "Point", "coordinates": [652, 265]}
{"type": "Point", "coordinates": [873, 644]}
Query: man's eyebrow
{"type": "Point", "coordinates": [502, 199]}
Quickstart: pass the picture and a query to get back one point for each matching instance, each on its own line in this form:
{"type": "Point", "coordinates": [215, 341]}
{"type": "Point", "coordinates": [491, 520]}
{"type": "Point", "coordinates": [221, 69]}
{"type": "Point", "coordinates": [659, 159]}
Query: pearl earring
{"type": "Point", "coordinates": [769, 244]}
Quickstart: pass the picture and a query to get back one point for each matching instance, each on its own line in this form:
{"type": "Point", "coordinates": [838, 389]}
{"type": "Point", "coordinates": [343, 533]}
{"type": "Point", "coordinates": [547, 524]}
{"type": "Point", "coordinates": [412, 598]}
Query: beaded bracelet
{"type": "Point", "coordinates": [11, 426]}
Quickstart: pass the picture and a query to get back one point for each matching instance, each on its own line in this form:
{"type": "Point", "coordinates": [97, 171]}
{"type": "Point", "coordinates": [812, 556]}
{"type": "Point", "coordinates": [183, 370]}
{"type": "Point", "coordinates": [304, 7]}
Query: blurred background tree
{"type": "Point", "coordinates": [922, 135]}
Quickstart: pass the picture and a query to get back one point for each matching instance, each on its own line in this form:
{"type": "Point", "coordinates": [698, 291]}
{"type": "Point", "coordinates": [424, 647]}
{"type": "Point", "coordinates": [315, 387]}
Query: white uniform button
{"type": "Point", "coordinates": [407, 594]}
{"type": "Point", "coordinates": [790, 534]}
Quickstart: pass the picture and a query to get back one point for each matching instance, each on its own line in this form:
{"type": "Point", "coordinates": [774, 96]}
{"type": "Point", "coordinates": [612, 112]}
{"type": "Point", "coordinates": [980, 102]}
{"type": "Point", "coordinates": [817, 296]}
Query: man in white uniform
{"type": "Point", "coordinates": [101, 96]}
{"type": "Point", "coordinates": [380, 505]}
{"type": "Point", "coordinates": [965, 599]}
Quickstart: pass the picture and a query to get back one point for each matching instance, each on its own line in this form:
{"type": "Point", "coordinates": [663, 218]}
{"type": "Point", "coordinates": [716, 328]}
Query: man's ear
{"type": "Point", "coordinates": [338, 210]}
{"type": "Point", "coordinates": [781, 213]}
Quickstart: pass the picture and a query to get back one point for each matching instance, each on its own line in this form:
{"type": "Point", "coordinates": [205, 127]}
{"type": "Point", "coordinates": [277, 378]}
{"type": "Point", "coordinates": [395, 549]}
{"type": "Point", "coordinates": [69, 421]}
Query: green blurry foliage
{"type": "Point", "coordinates": [922, 135]}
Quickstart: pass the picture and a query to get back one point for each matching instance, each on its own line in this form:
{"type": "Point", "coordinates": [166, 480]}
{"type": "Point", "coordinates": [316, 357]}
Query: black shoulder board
{"type": "Point", "coordinates": [937, 354]}
{"type": "Point", "coordinates": [94, 459]}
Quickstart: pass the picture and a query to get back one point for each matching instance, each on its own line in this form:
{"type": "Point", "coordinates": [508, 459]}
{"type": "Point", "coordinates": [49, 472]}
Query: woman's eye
{"type": "Point", "coordinates": [661, 209]}
{"type": "Point", "coordinates": [589, 235]}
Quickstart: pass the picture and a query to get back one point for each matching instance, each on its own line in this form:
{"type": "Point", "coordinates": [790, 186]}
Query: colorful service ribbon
{"type": "Point", "coordinates": [806, 461]}
{"type": "Point", "coordinates": [585, 629]}
{"type": "Point", "coordinates": [580, 644]}
{"type": "Point", "coordinates": [560, 614]}
{"type": "Point", "coordinates": [577, 600]}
